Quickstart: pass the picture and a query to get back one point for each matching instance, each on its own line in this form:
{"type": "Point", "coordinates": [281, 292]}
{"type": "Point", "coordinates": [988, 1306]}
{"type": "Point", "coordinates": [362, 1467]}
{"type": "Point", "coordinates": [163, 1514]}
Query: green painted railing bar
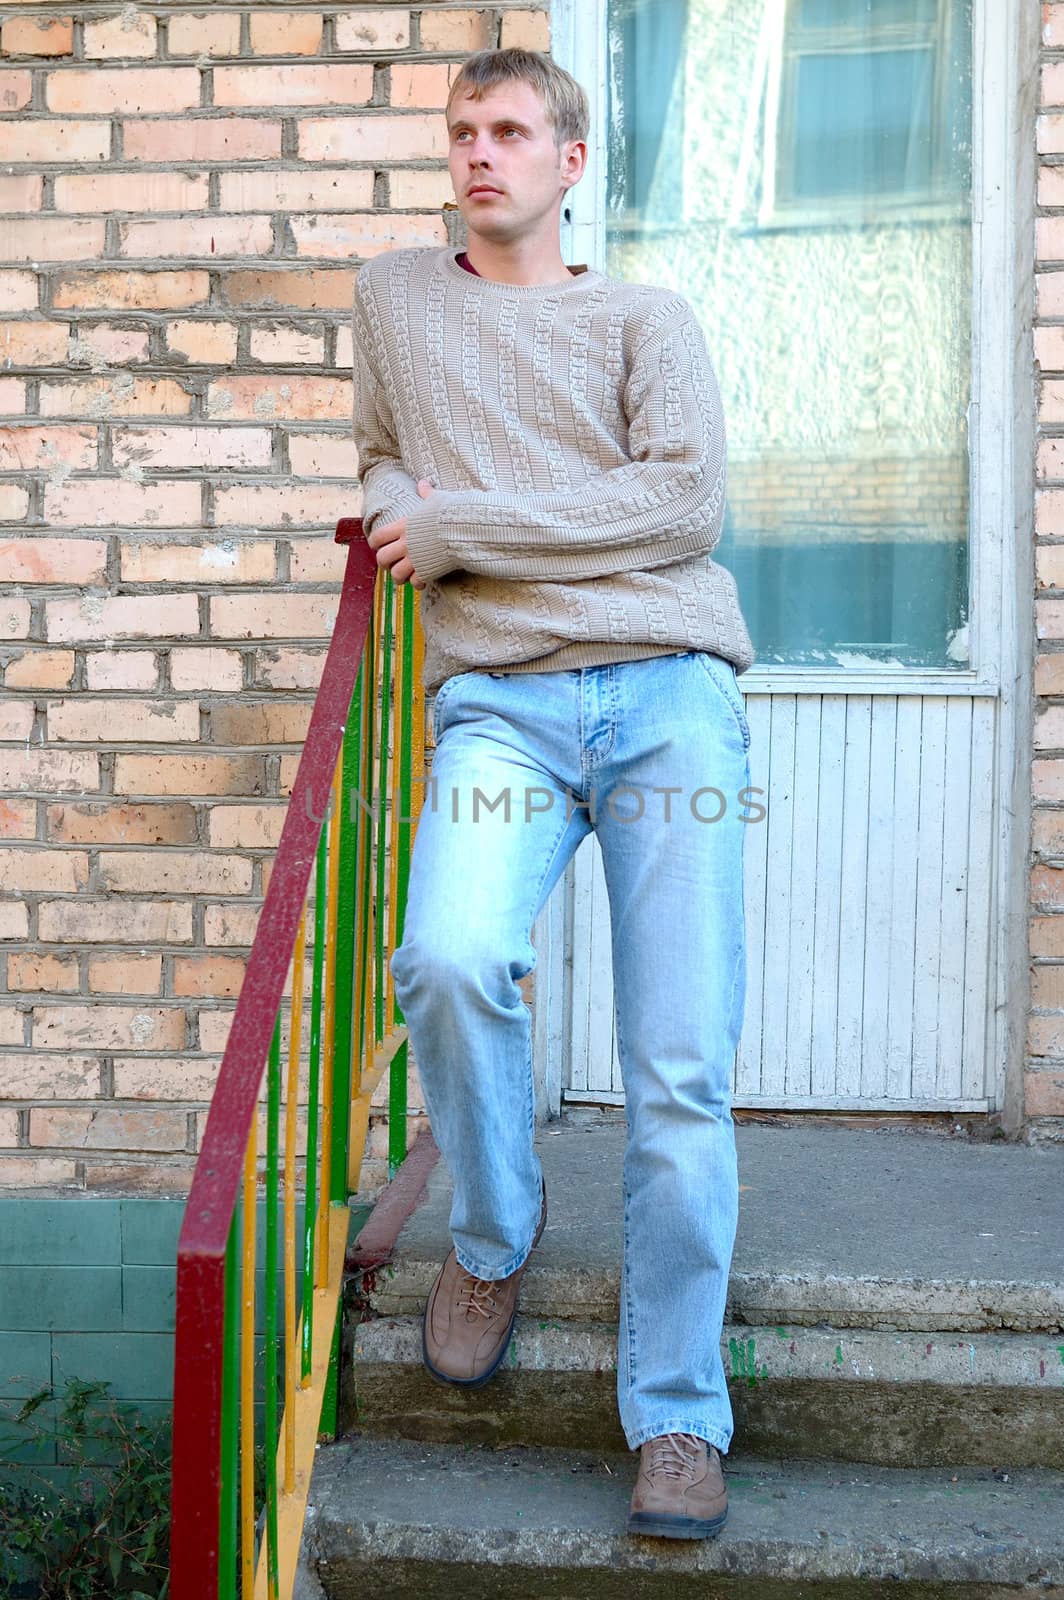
{"type": "Point", "coordinates": [406, 758]}
{"type": "Point", "coordinates": [397, 1073]}
{"type": "Point", "coordinates": [331, 1394]}
{"type": "Point", "coordinates": [313, 1096]}
{"type": "Point", "coordinates": [273, 1119]}
{"type": "Point", "coordinates": [382, 814]}
{"type": "Point", "coordinates": [227, 1521]}
{"type": "Point", "coordinates": [346, 906]}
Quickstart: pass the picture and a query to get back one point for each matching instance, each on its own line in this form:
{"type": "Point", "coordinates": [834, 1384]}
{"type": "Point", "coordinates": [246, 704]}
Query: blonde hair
{"type": "Point", "coordinates": [564, 100]}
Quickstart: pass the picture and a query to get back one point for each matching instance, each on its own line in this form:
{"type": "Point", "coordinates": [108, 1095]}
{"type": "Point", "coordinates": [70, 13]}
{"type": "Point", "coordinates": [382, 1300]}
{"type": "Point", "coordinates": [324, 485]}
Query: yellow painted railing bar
{"type": "Point", "coordinates": [375, 731]}
{"type": "Point", "coordinates": [359, 1121]}
{"type": "Point", "coordinates": [395, 803]}
{"type": "Point", "coordinates": [332, 895]}
{"type": "Point", "coordinates": [363, 804]}
{"type": "Point", "coordinates": [247, 1369]}
{"type": "Point", "coordinates": [291, 1348]}
{"type": "Point", "coordinates": [334, 1222]}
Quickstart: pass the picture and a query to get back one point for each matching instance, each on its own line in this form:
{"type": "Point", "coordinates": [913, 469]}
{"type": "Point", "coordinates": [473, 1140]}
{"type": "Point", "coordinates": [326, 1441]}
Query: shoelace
{"type": "Point", "coordinates": [477, 1295]}
{"type": "Point", "coordinates": [674, 1455]}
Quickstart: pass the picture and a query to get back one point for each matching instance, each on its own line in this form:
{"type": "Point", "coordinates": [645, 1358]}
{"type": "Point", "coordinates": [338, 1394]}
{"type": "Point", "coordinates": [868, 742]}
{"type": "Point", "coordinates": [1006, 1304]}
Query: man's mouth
{"type": "Point", "coordinates": [483, 188]}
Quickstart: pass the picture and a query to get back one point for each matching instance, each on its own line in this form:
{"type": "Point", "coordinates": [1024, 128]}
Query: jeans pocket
{"type": "Point", "coordinates": [443, 694]}
{"type": "Point", "coordinates": [722, 674]}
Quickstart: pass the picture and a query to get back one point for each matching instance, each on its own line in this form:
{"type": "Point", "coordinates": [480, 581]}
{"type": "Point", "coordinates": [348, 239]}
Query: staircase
{"type": "Point", "coordinates": [895, 1345]}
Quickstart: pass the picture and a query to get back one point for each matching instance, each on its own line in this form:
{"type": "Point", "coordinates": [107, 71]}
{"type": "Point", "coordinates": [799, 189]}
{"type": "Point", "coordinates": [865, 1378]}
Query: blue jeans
{"type": "Point", "coordinates": [652, 754]}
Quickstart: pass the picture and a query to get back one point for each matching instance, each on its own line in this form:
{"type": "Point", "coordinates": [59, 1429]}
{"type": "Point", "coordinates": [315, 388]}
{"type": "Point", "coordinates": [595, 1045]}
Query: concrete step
{"type": "Point", "coordinates": [393, 1519]}
{"type": "Point", "coordinates": [892, 1298]}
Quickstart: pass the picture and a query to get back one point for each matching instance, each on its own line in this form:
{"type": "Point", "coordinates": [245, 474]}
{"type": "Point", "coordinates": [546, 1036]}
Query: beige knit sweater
{"type": "Point", "coordinates": [575, 437]}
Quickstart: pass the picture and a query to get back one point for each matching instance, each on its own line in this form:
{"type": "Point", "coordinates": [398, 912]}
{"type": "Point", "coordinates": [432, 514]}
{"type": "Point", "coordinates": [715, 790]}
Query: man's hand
{"type": "Point", "coordinates": [389, 542]}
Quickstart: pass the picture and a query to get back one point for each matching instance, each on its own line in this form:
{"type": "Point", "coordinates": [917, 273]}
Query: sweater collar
{"type": "Point", "coordinates": [584, 279]}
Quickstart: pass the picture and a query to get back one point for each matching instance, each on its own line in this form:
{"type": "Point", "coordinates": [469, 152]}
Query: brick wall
{"type": "Point", "coordinates": [190, 192]}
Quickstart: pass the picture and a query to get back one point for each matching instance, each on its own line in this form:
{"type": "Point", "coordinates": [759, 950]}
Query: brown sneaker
{"type": "Point", "coordinates": [680, 1491]}
{"type": "Point", "coordinates": [468, 1322]}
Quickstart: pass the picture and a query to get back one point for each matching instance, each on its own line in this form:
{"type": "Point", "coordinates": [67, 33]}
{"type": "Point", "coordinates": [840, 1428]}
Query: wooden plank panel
{"type": "Point", "coordinates": [825, 1063]}
{"type": "Point", "coordinates": [590, 965]}
{"type": "Point", "coordinates": [978, 1072]}
{"type": "Point", "coordinates": [928, 924]}
{"type": "Point", "coordinates": [803, 893]}
{"type": "Point", "coordinates": [853, 880]}
{"type": "Point", "coordinates": [900, 946]}
{"type": "Point", "coordinates": [755, 881]}
{"type": "Point", "coordinates": [878, 849]}
{"type": "Point", "coordinates": [954, 933]}
{"type": "Point", "coordinates": [780, 824]}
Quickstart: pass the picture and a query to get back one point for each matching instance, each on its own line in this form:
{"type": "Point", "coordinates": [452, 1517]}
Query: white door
{"type": "Point", "coordinates": [806, 172]}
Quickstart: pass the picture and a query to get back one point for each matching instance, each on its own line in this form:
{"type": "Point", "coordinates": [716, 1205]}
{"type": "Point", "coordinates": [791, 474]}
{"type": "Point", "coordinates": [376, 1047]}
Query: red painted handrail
{"type": "Point", "coordinates": [212, 1199]}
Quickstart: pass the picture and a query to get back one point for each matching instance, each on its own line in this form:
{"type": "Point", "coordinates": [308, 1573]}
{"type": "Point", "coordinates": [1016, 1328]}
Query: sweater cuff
{"type": "Point", "coordinates": [431, 556]}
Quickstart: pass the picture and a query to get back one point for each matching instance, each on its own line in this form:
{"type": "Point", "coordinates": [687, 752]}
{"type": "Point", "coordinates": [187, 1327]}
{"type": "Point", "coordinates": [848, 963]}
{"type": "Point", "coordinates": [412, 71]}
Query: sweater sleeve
{"type": "Point", "coordinates": [388, 490]}
{"type": "Point", "coordinates": [664, 504]}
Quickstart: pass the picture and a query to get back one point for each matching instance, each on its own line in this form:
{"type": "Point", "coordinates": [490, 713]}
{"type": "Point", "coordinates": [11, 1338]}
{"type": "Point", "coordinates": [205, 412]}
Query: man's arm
{"type": "Point", "coordinates": [666, 504]}
{"type": "Point", "coordinates": [388, 490]}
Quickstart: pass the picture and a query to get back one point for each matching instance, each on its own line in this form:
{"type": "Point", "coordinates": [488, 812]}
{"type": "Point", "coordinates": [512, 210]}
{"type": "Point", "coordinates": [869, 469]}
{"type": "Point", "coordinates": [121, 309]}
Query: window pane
{"type": "Point", "coordinates": [839, 326]}
{"type": "Point", "coordinates": [863, 123]}
{"type": "Point", "coordinates": [864, 13]}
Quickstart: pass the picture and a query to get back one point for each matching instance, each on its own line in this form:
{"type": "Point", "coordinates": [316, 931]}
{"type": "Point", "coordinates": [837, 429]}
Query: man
{"type": "Point", "coordinates": [542, 453]}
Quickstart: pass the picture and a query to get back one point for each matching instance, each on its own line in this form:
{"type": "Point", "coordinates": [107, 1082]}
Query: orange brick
{"type": "Point", "coordinates": [211, 342]}
{"type": "Point", "coordinates": [287, 346]}
{"type": "Point", "coordinates": [30, 560]}
{"type": "Point", "coordinates": [1049, 349]}
{"type": "Point", "coordinates": [293, 85]}
{"type": "Point", "coordinates": [202, 139]}
{"type": "Point", "coordinates": [32, 447]}
{"type": "Point", "coordinates": [174, 872]}
{"type": "Point", "coordinates": [387, 136]}
{"type": "Point", "coordinates": [25, 870]}
{"type": "Point", "coordinates": [288, 669]}
{"type": "Point", "coordinates": [1049, 619]}
{"type": "Point", "coordinates": [121, 669]}
{"type": "Point", "coordinates": [14, 920]}
{"type": "Point", "coordinates": [228, 561]}
{"type": "Point", "coordinates": [345, 349]}
{"type": "Point", "coordinates": [322, 455]}
{"type": "Point", "coordinates": [1050, 186]}
{"type": "Point", "coordinates": [188, 774]}
{"type": "Point", "coordinates": [124, 616]}
{"type": "Point", "coordinates": [1053, 83]}
{"type": "Point", "coordinates": [1049, 511]}
{"type": "Point", "coordinates": [285, 33]}
{"type": "Point", "coordinates": [1051, 400]}
{"type": "Point", "coordinates": [104, 822]}
{"type": "Point", "coordinates": [33, 36]}
{"type": "Point", "coordinates": [125, 91]}
{"type": "Point", "coordinates": [12, 1025]}
{"type": "Point", "coordinates": [49, 771]}
{"type": "Point", "coordinates": [196, 236]}
{"type": "Point", "coordinates": [1045, 1036]}
{"type": "Point", "coordinates": [18, 291]}
{"type": "Point", "coordinates": [9, 1129]}
{"type": "Point", "coordinates": [201, 34]}
{"type": "Point", "coordinates": [288, 397]}
{"type": "Point", "coordinates": [230, 924]}
{"type": "Point", "coordinates": [297, 190]}
{"type": "Point", "coordinates": [116, 502]}
{"type": "Point", "coordinates": [14, 618]}
{"type": "Point", "coordinates": [1049, 240]}
{"type": "Point", "coordinates": [263, 723]}
{"type": "Point", "coordinates": [114, 1129]}
{"type": "Point", "coordinates": [92, 346]}
{"type": "Point", "coordinates": [39, 1077]}
{"type": "Point", "coordinates": [1047, 988]}
{"type": "Point", "coordinates": [246, 827]}
{"type": "Point", "coordinates": [16, 719]}
{"type": "Point", "coordinates": [168, 1177]}
{"type": "Point", "coordinates": [372, 30]}
{"type": "Point", "coordinates": [1049, 728]}
{"type": "Point", "coordinates": [272, 616]}
{"type": "Point", "coordinates": [318, 561]}
{"type": "Point", "coordinates": [1047, 888]}
{"type": "Point", "coordinates": [87, 921]}
{"type": "Point", "coordinates": [422, 86]}
{"type": "Point", "coordinates": [21, 193]}
{"type": "Point", "coordinates": [208, 975]}
{"type": "Point", "coordinates": [85, 720]}
{"type": "Point", "coordinates": [33, 344]}
{"type": "Point", "coordinates": [18, 818]}
{"type": "Point", "coordinates": [13, 499]}
{"type": "Point", "coordinates": [132, 291]}
{"type": "Point", "coordinates": [361, 237]}
{"type": "Point", "coordinates": [454, 31]}
{"type": "Point", "coordinates": [285, 506]}
{"type": "Point", "coordinates": [1048, 674]}
{"type": "Point", "coordinates": [40, 669]}
{"type": "Point", "coordinates": [527, 30]}
{"type": "Point", "coordinates": [43, 972]}
{"type": "Point", "coordinates": [1043, 1094]}
{"type": "Point", "coordinates": [126, 974]}
{"type": "Point", "coordinates": [16, 89]}
{"type": "Point", "coordinates": [1049, 566]}
{"type": "Point", "coordinates": [209, 448]}
{"type": "Point", "coordinates": [290, 289]}
{"type": "Point", "coordinates": [203, 667]}
{"type": "Point", "coordinates": [126, 36]}
{"type": "Point", "coordinates": [54, 239]}
{"type": "Point", "coordinates": [214, 1029]}
{"type": "Point", "coordinates": [164, 1077]}
{"type": "Point", "coordinates": [66, 142]}
{"type": "Point", "coordinates": [131, 191]}
{"type": "Point", "coordinates": [30, 1171]}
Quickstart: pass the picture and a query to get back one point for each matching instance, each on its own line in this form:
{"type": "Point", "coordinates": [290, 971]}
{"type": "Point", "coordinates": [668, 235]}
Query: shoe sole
{"type": "Point", "coordinates": [660, 1527]}
{"type": "Point", "coordinates": [489, 1372]}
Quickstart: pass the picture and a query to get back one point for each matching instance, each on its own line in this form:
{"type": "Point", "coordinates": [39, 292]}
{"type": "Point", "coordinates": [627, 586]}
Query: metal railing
{"type": "Point", "coordinates": [253, 1392]}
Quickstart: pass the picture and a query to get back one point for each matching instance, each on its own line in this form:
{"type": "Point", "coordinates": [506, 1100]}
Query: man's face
{"type": "Point", "coordinates": [507, 171]}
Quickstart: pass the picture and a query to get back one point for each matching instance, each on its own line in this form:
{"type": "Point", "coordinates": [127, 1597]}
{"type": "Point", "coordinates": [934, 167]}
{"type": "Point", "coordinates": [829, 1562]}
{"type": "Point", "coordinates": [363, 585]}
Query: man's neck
{"type": "Point", "coordinates": [525, 269]}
